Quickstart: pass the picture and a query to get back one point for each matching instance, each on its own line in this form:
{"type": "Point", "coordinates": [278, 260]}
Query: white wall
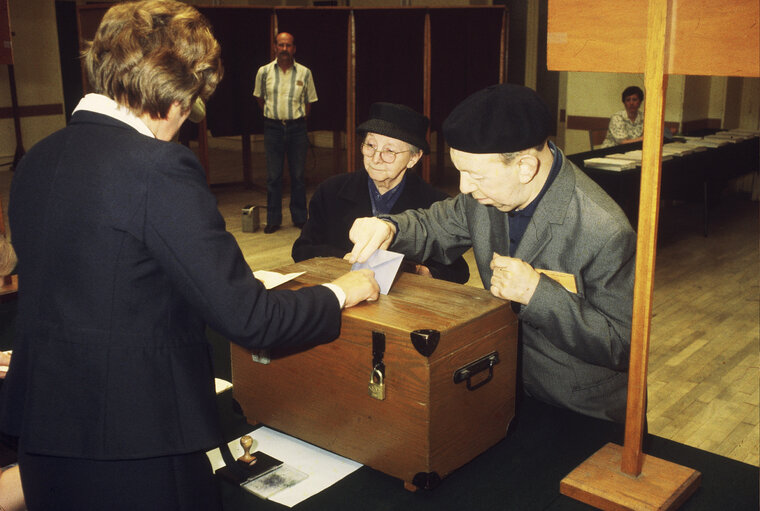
{"type": "Point", "coordinates": [750, 104]}
{"type": "Point", "coordinates": [696, 100]}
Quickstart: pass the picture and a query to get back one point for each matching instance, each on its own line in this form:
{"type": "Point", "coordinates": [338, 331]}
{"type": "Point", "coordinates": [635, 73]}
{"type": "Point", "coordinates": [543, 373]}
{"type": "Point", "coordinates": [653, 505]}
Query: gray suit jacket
{"type": "Point", "coordinates": [575, 347]}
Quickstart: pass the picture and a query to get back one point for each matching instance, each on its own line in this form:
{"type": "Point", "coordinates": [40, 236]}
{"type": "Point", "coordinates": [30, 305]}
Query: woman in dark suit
{"type": "Point", "coordinates": [123, 261]}
{"type": "Point", "coordinates": [393, 141]}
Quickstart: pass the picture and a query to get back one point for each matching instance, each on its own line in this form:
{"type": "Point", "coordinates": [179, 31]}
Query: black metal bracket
{"type": "Point", "coordinates": [465, 373]}
{"type": "Point", "coordinates": [426, 480]}
{"type": "Point", "coordinates": [425, 341]}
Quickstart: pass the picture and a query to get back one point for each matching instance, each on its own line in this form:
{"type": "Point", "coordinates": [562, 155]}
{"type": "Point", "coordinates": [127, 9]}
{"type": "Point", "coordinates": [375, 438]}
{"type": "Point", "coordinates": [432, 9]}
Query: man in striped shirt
{"type": "Point", "coordinates": [285, 91]}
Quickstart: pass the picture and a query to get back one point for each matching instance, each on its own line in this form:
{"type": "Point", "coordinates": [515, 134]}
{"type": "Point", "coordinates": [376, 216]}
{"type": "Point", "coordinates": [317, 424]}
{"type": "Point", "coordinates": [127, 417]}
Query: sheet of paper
{"type": "Point", "coordinates": [323, 467]}
{"type": "Point", "coordinates": [272, 279]}
{"type": "Point", "coordinates": [566, 279]}
{"type": "Point", "coordinates": [385, 264]}
{"type": "Point", "coordinates": [221, 385]}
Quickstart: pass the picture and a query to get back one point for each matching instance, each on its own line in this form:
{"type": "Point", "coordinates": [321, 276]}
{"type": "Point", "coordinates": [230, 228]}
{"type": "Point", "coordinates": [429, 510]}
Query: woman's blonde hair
{"type": "Point", "coordinates": [147, 55]}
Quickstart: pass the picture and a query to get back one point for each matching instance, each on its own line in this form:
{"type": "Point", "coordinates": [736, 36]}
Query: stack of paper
{"type": "Point", "coordinates": [677, 149]}
{"type": "Point", "coordinates": [705, 142]}
{"type": "Point", "coordinates": [609, 163]}
{"type": "Point", "coordinates": [746, 132]}
{"type": "Point", "coordinates": [683, 148]}
{"type": "Point", "coordinates": [635, 156]}
{"type": "Point", "coordinates": [730, 135]}
{"type": "Point", "coordinates": [713, 141]}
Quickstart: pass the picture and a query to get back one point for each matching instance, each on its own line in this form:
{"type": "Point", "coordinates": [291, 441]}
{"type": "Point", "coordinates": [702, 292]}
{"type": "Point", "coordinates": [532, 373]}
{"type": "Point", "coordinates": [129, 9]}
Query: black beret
{"type": "Point", "coordinates": [502, 118]}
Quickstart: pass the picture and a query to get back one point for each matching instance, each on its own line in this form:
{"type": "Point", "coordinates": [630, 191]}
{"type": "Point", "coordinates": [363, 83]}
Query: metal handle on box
{"type": "Point", "coordinates": [465, 373]}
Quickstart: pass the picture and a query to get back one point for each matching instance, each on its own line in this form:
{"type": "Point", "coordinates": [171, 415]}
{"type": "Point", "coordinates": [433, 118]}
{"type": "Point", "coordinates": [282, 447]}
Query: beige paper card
{"type": "Point", "coordinates": [566, 279]}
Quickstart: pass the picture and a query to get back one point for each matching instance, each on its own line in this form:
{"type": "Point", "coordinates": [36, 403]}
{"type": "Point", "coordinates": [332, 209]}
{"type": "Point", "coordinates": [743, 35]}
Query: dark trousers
{"type": "Point", "coordinates": [280, 140]}
{"type": "Point", "coordinates": [169, 483]}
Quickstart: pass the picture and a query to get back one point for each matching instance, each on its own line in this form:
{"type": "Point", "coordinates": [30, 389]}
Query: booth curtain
{"type": "Point", "coordinates": [321, 45]}
{"type": "Point", "coordinates": [244, 36]}
{"type": "Point", "coordinates": [389, 58]}
{"type": "Point", "coordinates": [465, 54]}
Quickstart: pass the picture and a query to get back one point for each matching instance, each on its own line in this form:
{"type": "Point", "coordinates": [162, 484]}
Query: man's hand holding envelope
{"type": "Point", "coordinates": [369, 234]}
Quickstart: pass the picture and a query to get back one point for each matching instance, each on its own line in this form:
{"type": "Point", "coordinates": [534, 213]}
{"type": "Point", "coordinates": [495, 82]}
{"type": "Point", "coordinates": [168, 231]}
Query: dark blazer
{"type": "Point", "coordinates": [341, 199]}
{"type": "Point", "coordinates": [123, 260]}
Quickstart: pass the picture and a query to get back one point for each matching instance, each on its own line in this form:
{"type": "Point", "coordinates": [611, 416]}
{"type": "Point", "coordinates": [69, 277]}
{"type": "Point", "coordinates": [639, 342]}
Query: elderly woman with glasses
{"type": "Point", "coordinates": [393, 142]}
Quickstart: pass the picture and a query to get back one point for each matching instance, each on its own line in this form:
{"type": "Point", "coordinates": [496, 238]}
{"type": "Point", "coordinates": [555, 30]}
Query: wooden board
{"type": "Point", "coordinates": [705, 37]}
{"type": "Point", "coordinates": [598, 481]}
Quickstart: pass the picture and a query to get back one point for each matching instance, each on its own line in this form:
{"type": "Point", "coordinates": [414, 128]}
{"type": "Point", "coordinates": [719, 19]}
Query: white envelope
{"type": "Point", "coordinates": [385, 264]}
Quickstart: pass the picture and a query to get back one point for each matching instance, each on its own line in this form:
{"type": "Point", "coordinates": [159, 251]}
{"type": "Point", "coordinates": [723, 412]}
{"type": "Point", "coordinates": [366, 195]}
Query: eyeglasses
{"type": "Point", "coordinates": [386, 155]}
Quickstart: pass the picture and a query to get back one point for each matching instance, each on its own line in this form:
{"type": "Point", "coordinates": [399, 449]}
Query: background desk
{"type": "Point", "coordinates": [522, 472]}
{"type": "Point", "coordinates": [699, 176]}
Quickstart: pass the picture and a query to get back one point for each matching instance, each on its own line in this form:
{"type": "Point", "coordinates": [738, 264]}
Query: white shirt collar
{"type": "Point", "coordinates": [101, 104]}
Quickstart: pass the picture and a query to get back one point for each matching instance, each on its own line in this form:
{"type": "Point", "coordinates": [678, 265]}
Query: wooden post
{"type": "Point", "coordinates": [351, 96]}
{"type": "Point", "coordinates": [245, 141]}
{"type": "Point", "coordinates": [503, 55]}
{"type": "Point", "coordinates": [646, 243]}
{"type": "Point", "coordinates": [16, 117]}
{"type": "Point", "coordinates": [337, 152]}
{"type": "Point", "coordinates": [615, 478]}
{"type": "Point", "coordinates": [426, 58]}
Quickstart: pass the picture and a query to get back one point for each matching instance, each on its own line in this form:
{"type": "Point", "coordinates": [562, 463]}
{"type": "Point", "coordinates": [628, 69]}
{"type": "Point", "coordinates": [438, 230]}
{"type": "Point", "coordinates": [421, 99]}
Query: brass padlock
{"type": "Point", "coordinates": [377, 388]}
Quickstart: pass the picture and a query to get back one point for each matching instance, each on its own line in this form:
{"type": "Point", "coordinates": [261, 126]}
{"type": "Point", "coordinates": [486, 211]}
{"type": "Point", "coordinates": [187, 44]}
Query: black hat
{"type": "Point", "coordinates": [502, 118]}
{"type": "Point", "coordinates": [397, 121]}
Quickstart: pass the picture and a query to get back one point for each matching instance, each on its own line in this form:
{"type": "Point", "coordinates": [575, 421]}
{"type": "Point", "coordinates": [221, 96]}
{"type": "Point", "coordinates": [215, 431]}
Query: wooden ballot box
{"type": "Point", "coordinates": [418, 383]}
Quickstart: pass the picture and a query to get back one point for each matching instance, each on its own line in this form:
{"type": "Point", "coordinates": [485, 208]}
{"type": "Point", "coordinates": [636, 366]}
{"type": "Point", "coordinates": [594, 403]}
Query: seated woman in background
{"type": "Point", "coordinates": [627, 125]}
{"type": "Point", "coordinates": [11, 492]}
{"type": "Point", "coordinates": [393, 142]}
{"type": "Point", "coordinates": [7, 257]}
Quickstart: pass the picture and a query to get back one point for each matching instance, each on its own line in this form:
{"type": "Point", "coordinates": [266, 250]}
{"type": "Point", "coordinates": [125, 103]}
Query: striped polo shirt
{"type": "Point", "coordinates": [285, 93]}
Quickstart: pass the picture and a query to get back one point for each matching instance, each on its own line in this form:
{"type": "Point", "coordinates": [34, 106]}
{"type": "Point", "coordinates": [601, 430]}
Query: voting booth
{"type": "Point", "coordinates": [418, 383]}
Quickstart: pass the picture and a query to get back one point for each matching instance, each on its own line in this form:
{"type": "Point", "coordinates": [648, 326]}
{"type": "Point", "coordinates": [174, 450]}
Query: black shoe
{"type": "Point", "coordinates": [269, 229]}
{"type": "Point", "coordinates": [299, 224]}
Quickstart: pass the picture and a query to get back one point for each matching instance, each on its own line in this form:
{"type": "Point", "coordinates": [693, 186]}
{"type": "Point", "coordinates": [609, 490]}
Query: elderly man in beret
{"type": "Point", "coordinates": [524, 209]}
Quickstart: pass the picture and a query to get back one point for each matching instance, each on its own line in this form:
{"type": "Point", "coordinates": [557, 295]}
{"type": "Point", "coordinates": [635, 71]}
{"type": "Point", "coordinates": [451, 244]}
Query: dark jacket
{"type": "Point", "coordinates": [341, 199]}
{"type": "Point", "coordinates": [123, 260]}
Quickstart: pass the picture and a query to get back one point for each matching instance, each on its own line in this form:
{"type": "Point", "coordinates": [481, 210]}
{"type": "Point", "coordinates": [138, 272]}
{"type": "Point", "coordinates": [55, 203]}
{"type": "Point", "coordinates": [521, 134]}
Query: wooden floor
{"type": "Point", "coordinates": [705, 348]}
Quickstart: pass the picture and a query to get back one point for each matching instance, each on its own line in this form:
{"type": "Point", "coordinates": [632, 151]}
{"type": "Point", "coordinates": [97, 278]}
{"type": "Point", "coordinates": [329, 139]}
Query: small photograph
{"type": "Point", "coordinates": [275, 481]}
